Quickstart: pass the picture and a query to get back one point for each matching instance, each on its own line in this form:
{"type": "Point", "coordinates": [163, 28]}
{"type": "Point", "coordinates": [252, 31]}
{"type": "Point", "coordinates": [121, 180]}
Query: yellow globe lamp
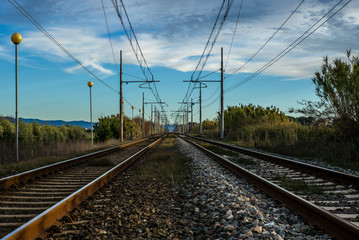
{"type": "Point", "coordinates": [132, 107]}
{"type": "Point", "coordinates": [16, 38]}
{"type": "Point", "coordinates": [90, 84]}
{"type": "Point", "coordinates": [139, 110]}
{"type": "Point", "coordinates": [123, 101]}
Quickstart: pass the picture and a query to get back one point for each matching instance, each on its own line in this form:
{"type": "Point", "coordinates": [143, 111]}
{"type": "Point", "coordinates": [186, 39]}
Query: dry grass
{"type": "Point", "coordinates": [53, 155]}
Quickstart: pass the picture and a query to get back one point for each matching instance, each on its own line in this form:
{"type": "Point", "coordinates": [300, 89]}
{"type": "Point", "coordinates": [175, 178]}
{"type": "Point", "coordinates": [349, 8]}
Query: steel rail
{"type": "Point", "coordinates": [300, 166]}
{"type": "Point", "coordinates": [48, 218]}
{"type": "Point", "coordinates": [45, 170]}
{"type": "Point", "coordinates": [315, 215]}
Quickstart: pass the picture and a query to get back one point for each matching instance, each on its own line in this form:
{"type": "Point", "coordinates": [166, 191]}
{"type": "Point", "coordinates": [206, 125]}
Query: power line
{"type": "Point", "coordinates": [211, 103]}
{"type": "Point", "coordinates": [47, 34]}
{"type": "Point", "coordinates": [131, 36]}
{"type": "Point", "coordinates": [109, 37]}
{"type": "Point", "coordinates": [234, 33]}
{"type": "Point", "coordinates": [134, 76]}
{"type": "Point", "coordinates": [266, 41]}
{"type": "Point", "coordinates": [207, 50]}
{"type": "Point", "coordinates": [291, 46]}
{"type": "Point", "coordinates": [209, 74]}
{"type": "Point", "coordinates": [212, 94]}
{"type": "Point", "coordinates": [133, 39]}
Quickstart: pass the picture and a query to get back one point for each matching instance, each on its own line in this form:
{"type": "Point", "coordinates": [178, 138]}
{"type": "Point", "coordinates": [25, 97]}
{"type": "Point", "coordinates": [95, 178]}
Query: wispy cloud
{"type": "Point", "coordinates": [170, 33]}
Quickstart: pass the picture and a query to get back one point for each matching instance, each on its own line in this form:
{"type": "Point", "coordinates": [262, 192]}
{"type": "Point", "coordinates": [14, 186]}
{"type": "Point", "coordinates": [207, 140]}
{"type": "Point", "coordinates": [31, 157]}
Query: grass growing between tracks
{"type": "Point", "coordinates": [101, 162]}
{"type": "Point", "coordinates": [165, 163]}
{"type": "Point", "coordinates": [244, 161]}
{"type": "Point", "coordinates": [217, 150]}
{"type": "Point", "coordinates": [233, 155]}
{"type": "Point", "coordinates": [299, 186]}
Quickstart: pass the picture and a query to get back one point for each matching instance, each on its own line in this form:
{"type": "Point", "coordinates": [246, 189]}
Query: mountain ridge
{"type": "Point", "coordinates": [57, 123]}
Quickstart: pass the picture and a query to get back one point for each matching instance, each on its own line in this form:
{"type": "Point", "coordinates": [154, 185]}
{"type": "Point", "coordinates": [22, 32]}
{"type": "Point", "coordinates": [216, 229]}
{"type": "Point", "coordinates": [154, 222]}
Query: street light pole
{"type": "Point", "coordinates": [90, 84]}
{"type": "Point", "coordinates": [16, 38]}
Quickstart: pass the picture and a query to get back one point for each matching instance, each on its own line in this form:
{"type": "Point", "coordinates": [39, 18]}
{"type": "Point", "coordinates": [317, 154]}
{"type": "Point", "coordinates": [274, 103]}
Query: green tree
{"type": "Point", "coordinates": [103, 129]}
{"type": "Point", "coordinates": [337, 86]}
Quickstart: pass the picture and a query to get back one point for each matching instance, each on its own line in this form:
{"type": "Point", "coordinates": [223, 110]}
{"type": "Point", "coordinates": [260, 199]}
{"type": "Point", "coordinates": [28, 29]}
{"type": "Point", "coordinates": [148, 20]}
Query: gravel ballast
{"type": "Point", "coordinates": [204, 201]}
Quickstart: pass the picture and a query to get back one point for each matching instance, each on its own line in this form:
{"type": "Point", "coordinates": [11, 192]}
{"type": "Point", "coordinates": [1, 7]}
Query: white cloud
{"type": "Point", "coordinates": [172, 33]}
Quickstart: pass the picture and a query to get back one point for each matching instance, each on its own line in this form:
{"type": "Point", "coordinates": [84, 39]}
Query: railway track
{"type": "Point", "coordinates": [205, 201]}
{"type": "Point", "coordinates": [332, 202]}
{"type": "Point", "coordinates": [33, 201]}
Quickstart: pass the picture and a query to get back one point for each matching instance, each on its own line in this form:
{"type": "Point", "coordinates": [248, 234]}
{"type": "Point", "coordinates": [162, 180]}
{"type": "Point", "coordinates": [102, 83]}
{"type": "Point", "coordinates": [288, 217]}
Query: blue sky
{"type": "Point", "coordinates": [172, 34]}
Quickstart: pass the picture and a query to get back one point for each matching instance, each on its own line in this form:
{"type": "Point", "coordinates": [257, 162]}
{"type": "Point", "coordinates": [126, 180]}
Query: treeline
{"type": "Point", "coordinates": [331, 125]}
{"type": "Point", "coordinates": [270, 129]}
{"type": "Point", "coordinates": [109, 127]}
{"type": "Point", "coordinates": [37, 140]}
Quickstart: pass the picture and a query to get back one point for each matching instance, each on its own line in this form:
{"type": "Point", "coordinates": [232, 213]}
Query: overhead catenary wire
{"type": "Point", "coordinates": [234, 34]}
{"type": "Point", "coordinates": [209, 74]}
{"type": "Point", "coordinates": [130, 75]}
{"type": "Point", "coordinates": [109, 37]}
{"type": "Point", "coordinates": [131, 36]}
{"type": "Point", "coordinates": [211, 95]}
{"type": "Point", "coordinates": [291, 46]}
{"type": "Point", "coordinates": [269, 39]}
{"type": "Point", "coordinates": [208, 49]}
{"type": "Point", "coordinates": [47, 34]}
{"type": "Point", "coordinates": [210, 42]}
{"type": "Point", "coordinates": [211, 103]}
{"type": "Point", "coordinates": [215, 35]}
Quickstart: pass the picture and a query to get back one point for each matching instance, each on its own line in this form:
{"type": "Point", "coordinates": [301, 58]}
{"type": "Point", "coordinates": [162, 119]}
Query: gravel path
{"type": "Point", "coordinates": [208, 203]}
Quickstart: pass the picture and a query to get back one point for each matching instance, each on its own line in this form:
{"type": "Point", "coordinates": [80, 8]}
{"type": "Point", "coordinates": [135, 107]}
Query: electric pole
{"type": "Point", "coordinates": [192, 114]}
{"type": "Point", "coordinates": [187, 125]}
{"type": "Point", "coordinates": [143, 114]}
{"type": "Point", "coordinates": [200, 108]}
{"type": "Point", "coordinates": [121, 100]}
{"type": "Point", "coordinates": [222, 107]}
{"type": "Point", "coordinates": [151, 118]}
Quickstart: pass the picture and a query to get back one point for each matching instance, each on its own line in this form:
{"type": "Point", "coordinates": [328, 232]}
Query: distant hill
{"type": "Point", "coordinates": [57, 123]}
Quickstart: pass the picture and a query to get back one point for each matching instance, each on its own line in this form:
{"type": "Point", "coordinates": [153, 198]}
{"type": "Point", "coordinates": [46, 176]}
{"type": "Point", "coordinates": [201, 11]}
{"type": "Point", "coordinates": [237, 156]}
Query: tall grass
{"type": "Point", "coordinates": [270, 130]}
{"type": "Point", "coordinates": [69, 151]}
{"type": "Point", "coordinates": [37, 140]}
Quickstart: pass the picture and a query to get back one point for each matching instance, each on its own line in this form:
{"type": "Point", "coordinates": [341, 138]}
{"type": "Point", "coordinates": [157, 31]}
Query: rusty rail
{"type": "Point", "coordinates": [334, 225]}
{"type": "Point", "coordinates": [36, 226]}
{"type": "Point", "coordinates": [300, 166]}
{"type": "Point", "coordinates": [45, 170]}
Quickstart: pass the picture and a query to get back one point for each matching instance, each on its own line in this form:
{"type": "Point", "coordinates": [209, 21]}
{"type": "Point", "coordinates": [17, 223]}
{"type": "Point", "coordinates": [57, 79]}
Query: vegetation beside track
{"type": "Point", "coordinates": [8, 169]}
{"type": "Point", "coordinates": [41, 145]}
{"type": "Point", "coordinates": [270, 130]}
{"type": "Point", "coordinates": [327, 131]}
{"type": "Point", "coordinates": [37, 141]}
{"type": "Point", "coordinates": [299, 186]}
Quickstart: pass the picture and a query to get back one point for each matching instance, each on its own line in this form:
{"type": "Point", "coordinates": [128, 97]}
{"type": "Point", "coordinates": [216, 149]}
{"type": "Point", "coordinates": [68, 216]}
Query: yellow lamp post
{"type": "Point", "coordinates": [16, 38]}
{"type": "Point", "coordinates": [90, 84]}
